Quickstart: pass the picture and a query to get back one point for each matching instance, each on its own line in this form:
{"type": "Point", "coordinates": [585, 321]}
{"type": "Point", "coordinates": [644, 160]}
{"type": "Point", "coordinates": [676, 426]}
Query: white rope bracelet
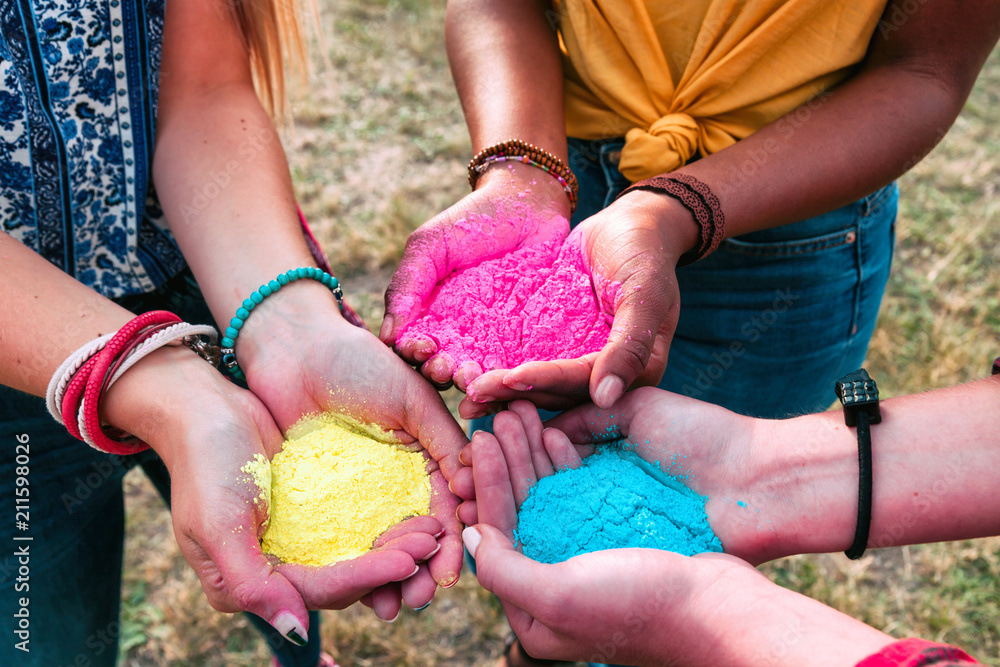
{"type": "Point", "coordinates": [175, 333]}
{"type": "Point", "coordinates": [66, 371]}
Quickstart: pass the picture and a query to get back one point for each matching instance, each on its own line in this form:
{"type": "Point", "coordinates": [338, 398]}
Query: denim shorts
{"type": "Point", "coordinates": [63, 592]}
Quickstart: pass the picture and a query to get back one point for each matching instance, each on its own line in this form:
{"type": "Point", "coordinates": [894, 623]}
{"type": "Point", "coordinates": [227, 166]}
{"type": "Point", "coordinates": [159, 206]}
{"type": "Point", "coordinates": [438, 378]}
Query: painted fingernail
{"type": "Point", "coordinates": [451, 581]}
{"type": "Point", "coordinates": [393, 619]}
{"type": "Point", "coordinates": [424, 607]}
{"type": "Point", "coordinates": [436, 549]}
{"type": "Point", "coordinates": [608, 391]}
{"type": "Point", "coordinates": [288, 625]}
{"type": "Point", "coordinates": [471, 538]}
{"type": "Point", "coordinates": [439, 533]}
{"type": "Point", "coordinates": [416, 568]}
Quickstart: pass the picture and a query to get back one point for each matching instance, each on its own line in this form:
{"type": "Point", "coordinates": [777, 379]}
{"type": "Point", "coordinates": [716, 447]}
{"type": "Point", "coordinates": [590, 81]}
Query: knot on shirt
{"type": "Point", "coordinates": [666, 145]}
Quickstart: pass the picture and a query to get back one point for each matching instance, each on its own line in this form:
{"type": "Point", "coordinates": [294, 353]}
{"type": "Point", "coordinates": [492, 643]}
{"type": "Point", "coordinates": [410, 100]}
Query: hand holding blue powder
{"type": "Point", "coordinates": [613, 500]}
{"type": "Point", "coordinates": [566, 506]}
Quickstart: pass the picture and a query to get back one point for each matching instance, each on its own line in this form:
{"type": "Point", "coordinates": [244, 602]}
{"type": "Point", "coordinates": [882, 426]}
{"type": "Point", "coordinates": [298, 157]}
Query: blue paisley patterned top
{"type": "Point", "coordinates": [77, 116]}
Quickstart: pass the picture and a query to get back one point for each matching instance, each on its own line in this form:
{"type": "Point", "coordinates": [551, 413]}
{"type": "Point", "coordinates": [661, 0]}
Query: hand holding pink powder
{"type": "Point", "coordinates": [534, 304]}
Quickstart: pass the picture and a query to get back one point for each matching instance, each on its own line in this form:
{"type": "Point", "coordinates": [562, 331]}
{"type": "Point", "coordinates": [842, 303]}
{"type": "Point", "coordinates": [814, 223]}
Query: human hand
{"type": "Point", "coordinates": [302, 358]}
{"type": "Point", "coordinates": [715, 451]}
{"type": "Point", "coordinates": [513, 206]}
{"type": "Point", "coordinates": [710, 609]}
{"type": "Point", "coordinates": [631, 250]}
{"type": "Point", "coordinates": [205, 429]}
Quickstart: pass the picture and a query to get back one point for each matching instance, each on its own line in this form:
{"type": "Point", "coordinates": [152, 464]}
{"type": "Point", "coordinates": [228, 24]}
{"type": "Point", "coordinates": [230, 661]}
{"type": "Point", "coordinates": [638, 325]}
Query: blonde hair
{"type": "Point", "coordinates": [273, 34]}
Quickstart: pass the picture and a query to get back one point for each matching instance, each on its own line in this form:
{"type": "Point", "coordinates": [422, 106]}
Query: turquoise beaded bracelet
{"type": "Point", "coordinates": [228, 341]}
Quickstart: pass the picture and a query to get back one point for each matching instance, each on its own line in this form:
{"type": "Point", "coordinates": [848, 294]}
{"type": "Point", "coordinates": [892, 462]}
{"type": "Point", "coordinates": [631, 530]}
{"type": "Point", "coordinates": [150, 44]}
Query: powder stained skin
{"type": "Point", "coordinates": [334, 490]}
{"type": "Point", "coordinates": [534, 304]}
{"type": "Point", "coordinates": [614, 500]}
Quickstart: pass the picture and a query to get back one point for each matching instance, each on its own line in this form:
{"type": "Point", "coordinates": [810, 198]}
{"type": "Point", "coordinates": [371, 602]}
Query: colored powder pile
{"type": "Point", "coordinates": [534, 304]}
{"type": "Point", "coordinates": [614, 500]}
{"type": "Point", "coordinates": [334, 489]}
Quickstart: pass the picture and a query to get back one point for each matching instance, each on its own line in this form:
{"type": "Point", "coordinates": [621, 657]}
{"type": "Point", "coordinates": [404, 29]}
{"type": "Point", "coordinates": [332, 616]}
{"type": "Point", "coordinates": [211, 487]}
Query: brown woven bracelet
{"type": "Point", "coordinates": [697, 198]}
{"type": "Point", "coordinates": [522, 151]}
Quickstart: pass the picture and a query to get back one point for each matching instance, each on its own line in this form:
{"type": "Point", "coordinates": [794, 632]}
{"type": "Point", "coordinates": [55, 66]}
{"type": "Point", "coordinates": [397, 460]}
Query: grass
{"type": "Point", "coordinates": [379, 146]}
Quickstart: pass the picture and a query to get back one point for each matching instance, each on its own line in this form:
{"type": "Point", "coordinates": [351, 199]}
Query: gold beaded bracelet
{"type": "Point", "coordinates": [522, 151]}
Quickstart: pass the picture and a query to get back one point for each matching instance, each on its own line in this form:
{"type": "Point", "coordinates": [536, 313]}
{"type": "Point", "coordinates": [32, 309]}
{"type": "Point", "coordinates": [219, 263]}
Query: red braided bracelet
{"type": "Point", "coordinates": [95, 383]}
{"type": "Point", "coordinates": [697, 198]}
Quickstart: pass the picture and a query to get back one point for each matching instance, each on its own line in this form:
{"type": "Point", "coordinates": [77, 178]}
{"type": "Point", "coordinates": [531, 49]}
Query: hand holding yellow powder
{"type": "Point", "coordinates": [334, 489]}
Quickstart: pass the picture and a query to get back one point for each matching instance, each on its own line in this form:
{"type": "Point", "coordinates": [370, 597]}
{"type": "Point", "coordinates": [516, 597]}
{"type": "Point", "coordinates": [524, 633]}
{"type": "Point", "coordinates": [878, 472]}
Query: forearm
{"type": "Point", "coordinates": [225, 187]}
{"type": "Point", "coordinates": [760, 623]}
{"type": "Point", "coordinates": [850, 141]}
{"type": "Point", "coordinates": [936, 468]}
{"type": "Point", "coordinates": [46, 316]}
{"type": "Point", "coordinates": [505, 61]}
{"type": "Point", "coordinates": [833, 150]}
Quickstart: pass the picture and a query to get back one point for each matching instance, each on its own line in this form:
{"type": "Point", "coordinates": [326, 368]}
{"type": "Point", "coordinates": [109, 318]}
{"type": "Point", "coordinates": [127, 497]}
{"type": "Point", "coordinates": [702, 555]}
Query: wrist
{"type": "Point", "coordinates": [278, 322]}
{"type": "Point", "coordinates": [515, 180]}
{"type": "Point", "coordinates": [807, 484]}
{"type": "Point", "coordinates": [675, 225]}
{"type": "Point", "coordinates": [154, 397]}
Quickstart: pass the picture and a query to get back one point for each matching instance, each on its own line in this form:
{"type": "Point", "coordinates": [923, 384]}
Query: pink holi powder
{"type": "Point", "coordinates": [534, 304]}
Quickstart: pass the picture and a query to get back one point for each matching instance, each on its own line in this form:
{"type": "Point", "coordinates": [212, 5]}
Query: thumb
{"type": "Point", "coordinates": [502, 570]}
{"type": "Point", "coordinates": [644, 323]}
{"type": "Point", "coordinates": [238, 577]}
{"type": "Point", "coordinates": [423, 264]}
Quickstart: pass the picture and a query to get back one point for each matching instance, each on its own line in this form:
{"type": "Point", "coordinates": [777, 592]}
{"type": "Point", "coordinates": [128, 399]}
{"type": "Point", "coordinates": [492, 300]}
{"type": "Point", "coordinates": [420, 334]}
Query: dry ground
{"type": "Point", "coordinates": [380, 146]}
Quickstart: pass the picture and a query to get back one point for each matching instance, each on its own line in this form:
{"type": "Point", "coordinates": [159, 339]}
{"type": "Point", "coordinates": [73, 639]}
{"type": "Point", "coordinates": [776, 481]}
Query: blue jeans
{"type": "Point", "coordinates": [65, 581]}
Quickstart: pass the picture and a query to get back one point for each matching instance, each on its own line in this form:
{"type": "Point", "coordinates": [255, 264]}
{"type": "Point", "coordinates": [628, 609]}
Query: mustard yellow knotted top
{"type": "Point", "coordinates": [690, 76]}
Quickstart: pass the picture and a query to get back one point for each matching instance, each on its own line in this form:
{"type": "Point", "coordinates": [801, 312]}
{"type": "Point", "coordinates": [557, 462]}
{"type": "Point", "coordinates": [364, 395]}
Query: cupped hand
{"type": "Point", "coordinates": [206, 429]}
{"type": "Point", "coordinates": [302, 358]}
{"type": "Point", "coordinates": [631, 250]}
{"type": "Point", "coordinates": [513, 206]}
{"type": "Point", "coordinates": [713, 450]}
{"type": "Point", "coordinates": [620, 605]}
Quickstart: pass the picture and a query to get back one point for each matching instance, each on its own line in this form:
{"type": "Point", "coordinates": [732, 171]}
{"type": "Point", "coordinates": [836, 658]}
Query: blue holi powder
{"type": "Point", "coordinates": [614, 500]}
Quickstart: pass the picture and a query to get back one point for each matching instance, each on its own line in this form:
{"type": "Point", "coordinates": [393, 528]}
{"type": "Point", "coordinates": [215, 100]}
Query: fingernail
{"type": "Point", "coordinates": [515, 384]}
{"type": "Point", "coordinates": [608, 391]}
{"type": "Point", "coordinates": [288, 625]}
{"type": "Point", "coordinates": [416, 568]}
{"type": "Point", "coordinates": [436, 549]}
{"type": "Point", "coordinates": [386, 328]}
{"type": "Point", "coordinates": [424, 607]}
{"type": "Point", "coordinates": [439, 533]}
{"type": "Point", "coordinates": [471, 538]}
{"type": "Point", "coordinates": [393, 619]}
{"type": "Point", "coordinates": [451, 583]}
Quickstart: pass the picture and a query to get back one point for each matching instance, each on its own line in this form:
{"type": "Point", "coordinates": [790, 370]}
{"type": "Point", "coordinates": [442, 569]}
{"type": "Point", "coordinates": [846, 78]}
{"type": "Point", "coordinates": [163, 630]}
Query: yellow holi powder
{"type": "Point", "coordinates": [260, 474]}
{"type": "Point", "coordinates": [335, 489]}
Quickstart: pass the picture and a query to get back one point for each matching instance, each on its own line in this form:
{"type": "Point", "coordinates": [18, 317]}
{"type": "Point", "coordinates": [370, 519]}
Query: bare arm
{"type": "Point", "coordinates": [222, 177]}
{"type": "Point", "coordinates": [936, 468]}
{"type": "Point", "coordinates": [864, 133]}
{"type": "Point", "coordinates": [505, 61]}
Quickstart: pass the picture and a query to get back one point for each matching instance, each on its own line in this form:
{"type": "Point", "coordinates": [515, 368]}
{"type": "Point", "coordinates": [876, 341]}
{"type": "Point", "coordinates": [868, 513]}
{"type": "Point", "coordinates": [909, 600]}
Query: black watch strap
{"type": "Point", "coordinates": [859, 396]}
